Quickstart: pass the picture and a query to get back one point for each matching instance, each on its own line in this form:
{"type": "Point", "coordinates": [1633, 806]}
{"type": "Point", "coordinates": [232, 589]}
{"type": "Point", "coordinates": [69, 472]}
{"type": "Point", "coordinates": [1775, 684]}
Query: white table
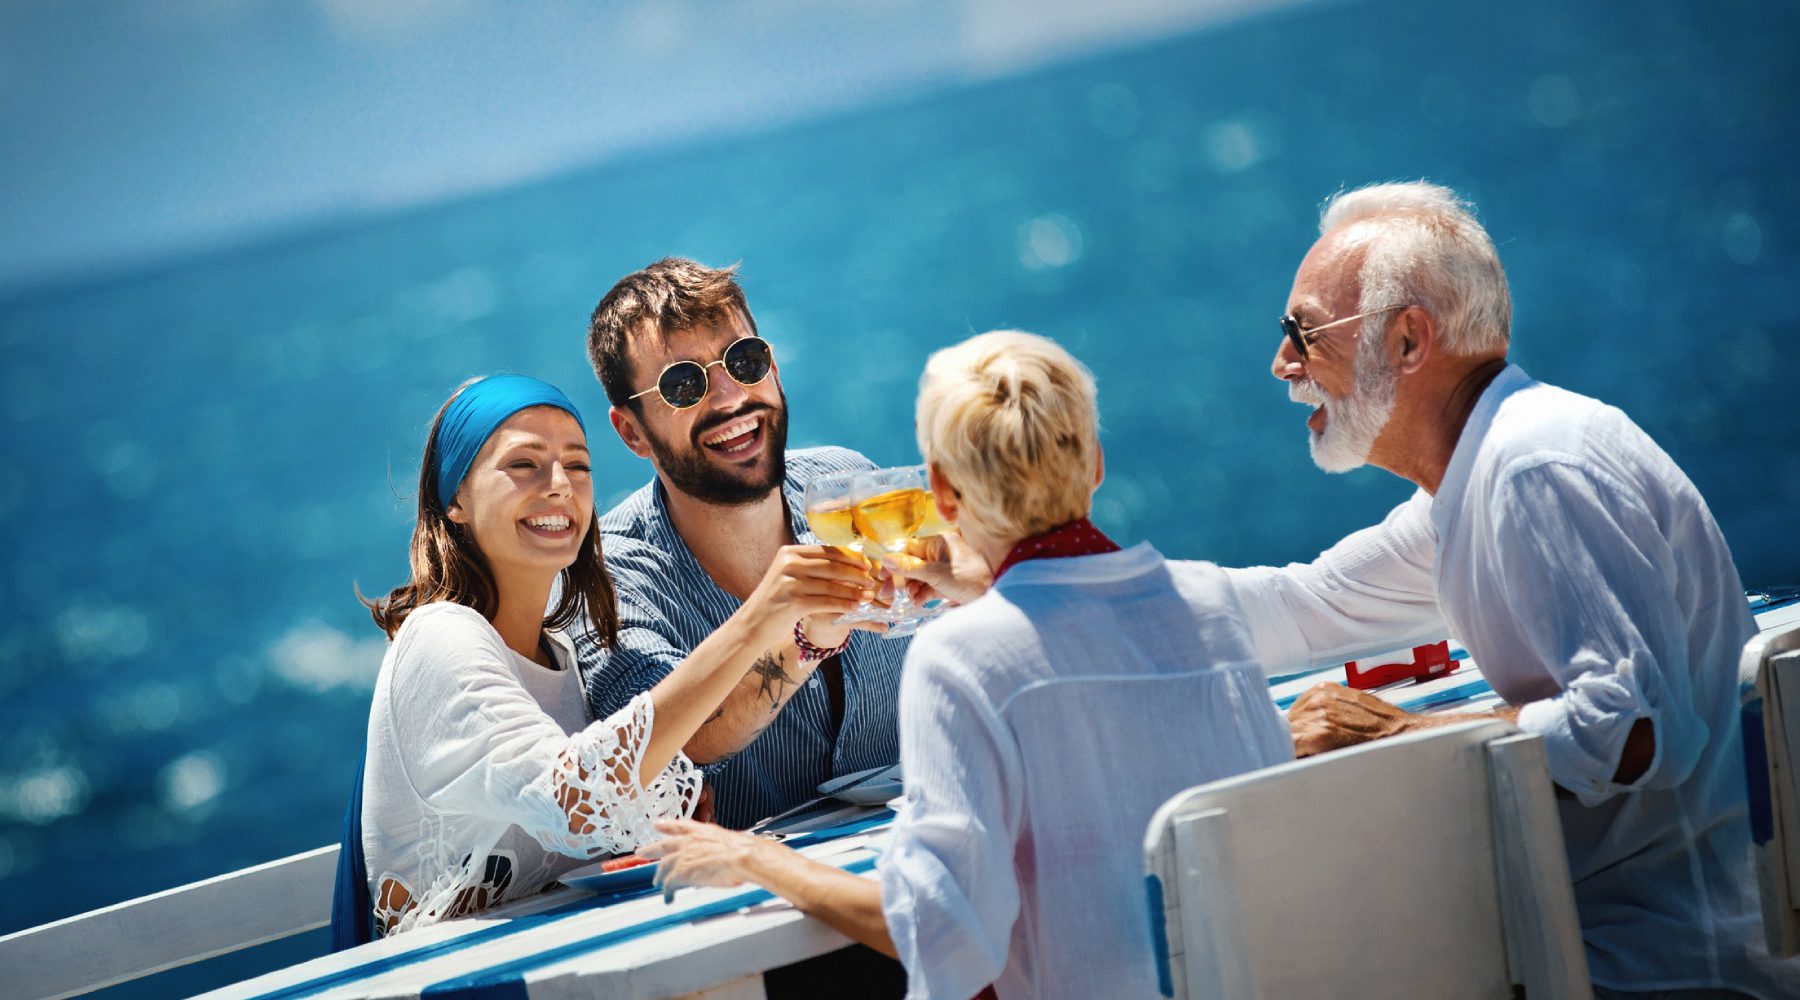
{"type": "Point", "coordinates": [526, 949]}
{"type": "Point", "coordinates": [721, 957]}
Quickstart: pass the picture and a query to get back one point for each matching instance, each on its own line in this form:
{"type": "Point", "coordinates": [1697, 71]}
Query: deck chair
{"type": "Point", "coordinates": [1771, 716]}
{"type": "Point", "coordinates": [153, 933]}
{"type": "Point", "coordinates": [1425, 865]}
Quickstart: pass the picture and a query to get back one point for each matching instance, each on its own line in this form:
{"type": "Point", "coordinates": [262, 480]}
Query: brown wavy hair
{"type": "Point", "coordinates": [447, 565]}
{"type": "Point", "coordinates": [669, 296]}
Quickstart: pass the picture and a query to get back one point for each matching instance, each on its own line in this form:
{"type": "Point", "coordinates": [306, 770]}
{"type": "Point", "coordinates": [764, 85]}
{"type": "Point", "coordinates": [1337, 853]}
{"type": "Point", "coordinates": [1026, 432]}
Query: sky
{"type": "Point", "coordinates": [133, 132]}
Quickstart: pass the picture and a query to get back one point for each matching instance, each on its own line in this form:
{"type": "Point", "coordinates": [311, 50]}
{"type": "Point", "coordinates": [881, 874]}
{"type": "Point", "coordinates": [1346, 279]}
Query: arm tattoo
{"type": "Point", "coordinates": [773, 679]}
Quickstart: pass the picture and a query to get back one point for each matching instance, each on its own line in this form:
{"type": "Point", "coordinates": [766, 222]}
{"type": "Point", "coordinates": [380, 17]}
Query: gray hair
{"type": "Point", "coordinates": [1423, 246]}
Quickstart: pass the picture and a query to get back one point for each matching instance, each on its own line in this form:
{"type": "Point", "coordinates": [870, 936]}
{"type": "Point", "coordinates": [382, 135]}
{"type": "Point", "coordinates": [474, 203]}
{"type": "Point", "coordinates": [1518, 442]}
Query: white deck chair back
{"type": "Point", "coordinates": [1428, 865]}
{"type": "Point", "coordinates": [1772, 663]}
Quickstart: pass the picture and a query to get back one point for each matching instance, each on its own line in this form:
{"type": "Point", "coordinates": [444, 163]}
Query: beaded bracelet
{"type": "Point", "coordinates": [808, 651]}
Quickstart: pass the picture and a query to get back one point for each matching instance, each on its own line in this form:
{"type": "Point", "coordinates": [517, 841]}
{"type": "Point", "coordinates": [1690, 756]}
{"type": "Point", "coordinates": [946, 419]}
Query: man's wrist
{"type": "Point", "coordinates": [767, 627]}
{"type": "Point", "coordinates": [761, 857]}
{"type": "Point", "coordinates": [1412, 722]}
{"type": "Point", "coordinates": [780, 869]}
{"type": "Point", "coordinates": [818, 639]}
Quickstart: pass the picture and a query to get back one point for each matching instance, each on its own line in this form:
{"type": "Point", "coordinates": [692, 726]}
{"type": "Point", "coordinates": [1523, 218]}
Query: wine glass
{"type": "Point", "coordinates": [892, 506]}
{"type": "Point", "coordinates": [935, 524]}
{"type": "Point", "coordinates": [829, 502]}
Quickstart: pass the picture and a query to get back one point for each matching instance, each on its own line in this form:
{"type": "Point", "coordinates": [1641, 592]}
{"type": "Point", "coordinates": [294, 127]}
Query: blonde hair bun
{"type": "Point", "coordinates": [1011, 419]}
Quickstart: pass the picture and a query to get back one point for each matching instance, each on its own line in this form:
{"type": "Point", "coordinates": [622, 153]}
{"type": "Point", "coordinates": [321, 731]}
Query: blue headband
{"type": "Point", "coordinates": [476, 413]}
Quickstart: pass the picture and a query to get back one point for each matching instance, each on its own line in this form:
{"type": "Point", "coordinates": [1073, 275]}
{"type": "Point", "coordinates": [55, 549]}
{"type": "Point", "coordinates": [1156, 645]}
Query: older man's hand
{"type": "Point", "coordinates": [1332, 716]}
{"type": "Point", "coordinates": [691, 853]}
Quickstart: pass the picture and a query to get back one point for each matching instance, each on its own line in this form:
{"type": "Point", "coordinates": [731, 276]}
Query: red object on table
{"type": "Point", "coordinates": [1425, 662]}
{"type": "Point", "coordinates": [623, 862]}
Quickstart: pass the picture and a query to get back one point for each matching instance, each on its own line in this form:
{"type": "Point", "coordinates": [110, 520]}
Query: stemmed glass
{"type": "Point", "coordinates": [892, 506]}
{"type": "Point", "coordinates": [934, 524]}
{"type": "Point", "coordinates": [829, 514]}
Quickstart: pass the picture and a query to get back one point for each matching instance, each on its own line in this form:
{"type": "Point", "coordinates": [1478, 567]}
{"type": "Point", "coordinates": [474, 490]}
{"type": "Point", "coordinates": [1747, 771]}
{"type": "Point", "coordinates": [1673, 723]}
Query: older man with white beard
{"type": "Point", "coordinates": [1568, 552]}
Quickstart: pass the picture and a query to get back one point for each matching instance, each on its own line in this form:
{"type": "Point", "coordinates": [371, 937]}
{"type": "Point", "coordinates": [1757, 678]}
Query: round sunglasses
{"type": "Point", "coordinates": [685, 383]}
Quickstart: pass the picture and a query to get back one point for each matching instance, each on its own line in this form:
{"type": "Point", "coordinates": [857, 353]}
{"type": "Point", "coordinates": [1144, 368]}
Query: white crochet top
{"type": "Point", "coordinates": [485, 779]}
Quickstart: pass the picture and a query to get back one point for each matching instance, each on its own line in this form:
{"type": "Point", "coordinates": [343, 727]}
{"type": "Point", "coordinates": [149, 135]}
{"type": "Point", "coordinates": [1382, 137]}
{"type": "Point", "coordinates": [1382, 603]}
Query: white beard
{"type": "Point", "coordinates": [1351, 424]}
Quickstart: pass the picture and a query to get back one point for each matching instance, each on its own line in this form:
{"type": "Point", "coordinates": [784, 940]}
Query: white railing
{"type": "Point", "coordinates": [189, 923]}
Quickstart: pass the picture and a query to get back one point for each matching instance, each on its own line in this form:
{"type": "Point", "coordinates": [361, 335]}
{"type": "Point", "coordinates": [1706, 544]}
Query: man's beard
{"type": "Point", "coordinates": [691, 472]}
{"type": "Point", "coordinates": [1352, 424]}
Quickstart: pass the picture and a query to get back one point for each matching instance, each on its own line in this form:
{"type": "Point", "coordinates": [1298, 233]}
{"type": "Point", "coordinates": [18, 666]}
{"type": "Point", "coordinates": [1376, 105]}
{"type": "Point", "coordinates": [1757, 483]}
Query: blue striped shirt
{"type": "Point", "coordinates": [668, 604]}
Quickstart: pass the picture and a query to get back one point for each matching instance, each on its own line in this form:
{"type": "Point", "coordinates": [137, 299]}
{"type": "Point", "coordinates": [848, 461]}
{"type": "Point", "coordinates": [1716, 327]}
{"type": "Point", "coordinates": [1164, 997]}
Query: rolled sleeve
{"type": "Point", "coordinates": [650, 645]}
{"type": "Point", "coordinates": [643, 657]}
{"type": "Point", "coordinates": [1585, 727]}
{"type": "Point", "coordinates": [1588, 591]}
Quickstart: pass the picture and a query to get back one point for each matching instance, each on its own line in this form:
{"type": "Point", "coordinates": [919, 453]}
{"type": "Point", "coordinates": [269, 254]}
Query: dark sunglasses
{"type": "Point", "coordinates": [684, 383]}
{"type": "Point", "coordinates": [1302, 338]}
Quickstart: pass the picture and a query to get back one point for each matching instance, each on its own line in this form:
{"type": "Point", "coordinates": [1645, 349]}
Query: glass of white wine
{"type": "Point", "coordinates": [829, 502]}
{"type": "Point", "coordinates": [935, 524]}
{"type": "Point", "coordinates": [892, 506]}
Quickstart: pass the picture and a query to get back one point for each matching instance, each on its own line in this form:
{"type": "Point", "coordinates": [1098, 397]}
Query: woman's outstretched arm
{"type": "Point", "coordinates": [702, 854]}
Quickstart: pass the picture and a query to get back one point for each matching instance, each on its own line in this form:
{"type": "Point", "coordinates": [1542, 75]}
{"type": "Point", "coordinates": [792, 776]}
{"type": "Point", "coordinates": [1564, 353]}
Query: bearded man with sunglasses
{"type": "Point", "coordinates": [1576, 562]}
{"type": "Point", "coordinates": [705, 559]}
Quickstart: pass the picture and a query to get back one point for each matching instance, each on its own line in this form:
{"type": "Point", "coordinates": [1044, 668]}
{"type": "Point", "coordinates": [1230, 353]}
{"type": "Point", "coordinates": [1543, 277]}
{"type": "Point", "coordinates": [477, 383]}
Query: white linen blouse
{"type": "Point", "coordinates": [474, 751]}
{"type": "Point", "coordinates": [1040, 727]}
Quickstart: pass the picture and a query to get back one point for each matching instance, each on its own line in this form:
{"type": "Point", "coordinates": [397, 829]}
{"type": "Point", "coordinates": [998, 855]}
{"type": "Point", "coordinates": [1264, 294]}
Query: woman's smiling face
{"type": "Point", "coordinates": [528, 498]}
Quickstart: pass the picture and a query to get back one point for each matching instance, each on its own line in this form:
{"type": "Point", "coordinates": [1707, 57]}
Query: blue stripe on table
{"type": "Point", "coordinates": [506, 981]}
{"type": "Point", "coordinates": [520, 925]}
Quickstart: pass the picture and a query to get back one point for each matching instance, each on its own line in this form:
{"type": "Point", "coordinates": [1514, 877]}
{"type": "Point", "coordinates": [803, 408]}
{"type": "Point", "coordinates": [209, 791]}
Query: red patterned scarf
{"type": "Point", "coordinates": [1074, 538]}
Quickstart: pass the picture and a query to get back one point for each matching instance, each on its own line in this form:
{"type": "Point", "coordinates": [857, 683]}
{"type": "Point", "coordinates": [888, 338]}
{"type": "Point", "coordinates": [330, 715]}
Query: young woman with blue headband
{"type": "Point", "coordinates": [484, 778]}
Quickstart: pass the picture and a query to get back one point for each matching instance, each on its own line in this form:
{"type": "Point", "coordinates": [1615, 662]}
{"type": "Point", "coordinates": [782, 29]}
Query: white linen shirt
{"type": "Point", "coordinates": [1040, 727]}
{"type": "Point", "coordinates": [471, 749]}
{"type": "Point", "coordinates": [1585, 575]}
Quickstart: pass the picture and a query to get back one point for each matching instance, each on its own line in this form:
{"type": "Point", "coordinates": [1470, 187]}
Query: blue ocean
{"type": "Point", "coordinates": [204, 461]}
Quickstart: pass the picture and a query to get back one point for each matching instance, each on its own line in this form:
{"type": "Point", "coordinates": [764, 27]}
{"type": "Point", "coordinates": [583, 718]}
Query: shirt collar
{"type": "Point", "coordinates": [793, 495]}
{"type": "Point", "coordinates": [1448, 500]}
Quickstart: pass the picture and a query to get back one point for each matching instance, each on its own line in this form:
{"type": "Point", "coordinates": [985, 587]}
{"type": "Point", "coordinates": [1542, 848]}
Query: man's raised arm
{"type": "Point", "coordinates": [809, 583]}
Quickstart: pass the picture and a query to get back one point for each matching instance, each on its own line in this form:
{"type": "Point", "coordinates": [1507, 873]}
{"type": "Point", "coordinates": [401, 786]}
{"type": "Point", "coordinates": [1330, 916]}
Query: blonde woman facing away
{"type": "Point", "coordinates": [485, 778]}
{"type": "Point", "coordinates": [1041, 723]}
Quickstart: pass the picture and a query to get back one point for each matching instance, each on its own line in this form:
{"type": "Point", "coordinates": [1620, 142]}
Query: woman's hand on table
{"type": "Point", "coordinates": [700, 854]}
{"type": "Point", "coordinates": [691, 853]}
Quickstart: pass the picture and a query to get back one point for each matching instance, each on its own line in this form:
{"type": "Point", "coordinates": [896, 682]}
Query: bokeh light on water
{"type": "Point", "coordinates": [202, 460]}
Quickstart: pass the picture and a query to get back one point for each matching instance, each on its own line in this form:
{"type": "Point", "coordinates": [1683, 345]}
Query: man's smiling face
{"type": "Point", "coordinates": [1347, 375]}
{"type": "Point", "coordinates": [730, 447]}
